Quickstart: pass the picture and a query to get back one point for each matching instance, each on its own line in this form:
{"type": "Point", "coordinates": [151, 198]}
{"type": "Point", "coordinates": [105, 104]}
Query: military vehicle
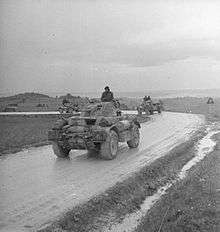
{"type": "Point", "coordinates": [68, 109]}
{"type": "Point", "coordinates": [149, 107]}
{"type": "Point", "coordinates": [99, 129]}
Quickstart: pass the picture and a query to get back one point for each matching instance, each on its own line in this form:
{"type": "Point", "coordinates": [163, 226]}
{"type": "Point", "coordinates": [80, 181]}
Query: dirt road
{"type": "Point", "coordinates": [36, 187]}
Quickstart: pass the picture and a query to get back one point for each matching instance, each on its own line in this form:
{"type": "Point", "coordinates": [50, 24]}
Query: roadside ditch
{"type": "Point", "coordinates": [191, 204]}
{"type": "Point", "coordinates": [103, 211]}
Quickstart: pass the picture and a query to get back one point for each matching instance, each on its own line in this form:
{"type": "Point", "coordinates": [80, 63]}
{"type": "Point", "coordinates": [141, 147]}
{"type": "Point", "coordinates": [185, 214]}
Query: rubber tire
{"type": "Point", "coordinates": [60, 151]}
{"type": "Point", "coordinates": [134, 142]}
{"type": "Point", "coordinates": [60, 110]}
{"type": "Point", "coordinates": [108, 152]}
{"type": "Point", "coordinates": [93, 152]}
{"type": "Point", "coordinates": [139, 110]}
{"type": "Point", "coordinates": [147, 112]}
{"type": "Point", "coordinates": [70, 111]}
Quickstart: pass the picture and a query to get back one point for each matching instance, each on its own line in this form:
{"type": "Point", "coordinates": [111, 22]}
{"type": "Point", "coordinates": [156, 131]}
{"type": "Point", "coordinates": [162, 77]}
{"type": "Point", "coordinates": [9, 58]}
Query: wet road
{"type": "Point", "coordinates": [36, 187]}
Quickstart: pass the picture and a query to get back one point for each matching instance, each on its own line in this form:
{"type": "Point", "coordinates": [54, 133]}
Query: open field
{"type": "Point", "coordinates": [194, 106]}
{"type": "Point", "coordinates": [17, 132]}
{"type": "Point", "coordinates": [34, 102]}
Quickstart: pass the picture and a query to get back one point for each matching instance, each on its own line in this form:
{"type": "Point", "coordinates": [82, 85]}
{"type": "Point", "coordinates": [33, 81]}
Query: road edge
{"type": "Point", "coordinates": [127, 196]}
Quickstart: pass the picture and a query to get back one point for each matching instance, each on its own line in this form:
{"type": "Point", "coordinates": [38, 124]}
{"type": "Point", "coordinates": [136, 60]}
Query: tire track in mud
{"type": "Point", "coordinates": [126, 197]}
{"type": "Point", "coordinates": [60, 185]}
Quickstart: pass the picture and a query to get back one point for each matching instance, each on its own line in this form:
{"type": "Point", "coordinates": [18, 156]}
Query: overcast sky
{"type": "Point", "coordinates": [130, 45]}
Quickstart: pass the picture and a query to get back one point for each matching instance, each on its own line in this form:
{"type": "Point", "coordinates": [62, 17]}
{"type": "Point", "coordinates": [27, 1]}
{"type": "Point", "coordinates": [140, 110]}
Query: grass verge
{"type": "Point", "coordinates": [127, 196]}
{"type": "Point", "coordinates": [191, 205]}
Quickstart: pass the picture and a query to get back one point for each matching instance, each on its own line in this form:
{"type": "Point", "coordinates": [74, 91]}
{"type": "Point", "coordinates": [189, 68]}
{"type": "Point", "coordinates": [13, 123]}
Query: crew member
{"type": "Point", "coordinates": [107, 95]}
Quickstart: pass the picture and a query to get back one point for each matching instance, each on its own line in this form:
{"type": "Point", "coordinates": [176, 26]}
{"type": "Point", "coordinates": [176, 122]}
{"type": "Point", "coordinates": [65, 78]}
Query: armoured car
{"type": "Point", "coordinates": [149, 107]}
{"type": "Point", "coordinates": [99, 128]}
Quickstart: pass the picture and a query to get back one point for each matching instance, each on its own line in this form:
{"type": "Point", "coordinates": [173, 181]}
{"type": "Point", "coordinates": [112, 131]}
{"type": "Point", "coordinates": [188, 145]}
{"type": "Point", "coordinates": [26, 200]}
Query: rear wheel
{"type": "Point", "coordinates": [70, 110]}
{"type": "Point", "coordinates": [139, 111]}
{"type": "Point", "coordinates": [60, 151]}
{"type": "Point", "coordinates": [151, 112]}
{"type": "Point", "coordinates": [60, 110]}
{"type": "Point", "coordinates": [159, 110]}
{"type": "Point", "coordinates": [109, 148]}
{"type": "Point", "coordinates": [134, 142]}
{"type": "Point", "coordinates": [93, 152]}
{"type": "Point", "coordinates": [147, 112]}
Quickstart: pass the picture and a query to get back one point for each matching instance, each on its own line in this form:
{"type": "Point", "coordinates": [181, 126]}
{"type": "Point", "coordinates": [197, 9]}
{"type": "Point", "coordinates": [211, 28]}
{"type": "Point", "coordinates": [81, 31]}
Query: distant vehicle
{"type": "Point", "coordinates": [68, 109]}
{"type": "Point", "coordinates": [99, 128]}
{"type": "Point", "coordinates": [13, 104]}
{"type": "Point", "coordinates": [41, 105]}
{"type": "Point", "coordinates": [10, 109]}
{"type": "Point", "coordinates": [149, 107]}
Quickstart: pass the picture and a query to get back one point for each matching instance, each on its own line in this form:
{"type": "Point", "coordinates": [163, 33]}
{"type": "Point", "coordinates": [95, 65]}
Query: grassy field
{"type": "Point", "coordinates": [37, 102]}
{"type": "Point", "coordinates": [18, 132]}
{"type": "Point", "coordinates": [194, 105]}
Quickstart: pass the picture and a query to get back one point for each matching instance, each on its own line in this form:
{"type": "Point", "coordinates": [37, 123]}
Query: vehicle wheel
{"type": "Point", "coordinates": [60, 110]}
{"type": "Point", "coordinates": [93, 152]}
{"type": "Point", "coordinates": [134, 142]}
{"type": "Point", "coordinates": [151, 112]}
{"type": "Point", "coordinates": [159, 110]}
{"type": "Point", "coordinates": [139, 111]}
{"type": "Point", "coordinates": [60, 151]}
{"type": "Point", "coordinates": [70, 110]}
{"type": "Point", "coordinates": [147, 112]}
{"type": "Point", "coordinates": [109, 148]}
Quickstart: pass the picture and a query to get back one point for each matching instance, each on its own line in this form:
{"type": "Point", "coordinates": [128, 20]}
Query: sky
{"type": "Point", "coordinates": [130, 45]}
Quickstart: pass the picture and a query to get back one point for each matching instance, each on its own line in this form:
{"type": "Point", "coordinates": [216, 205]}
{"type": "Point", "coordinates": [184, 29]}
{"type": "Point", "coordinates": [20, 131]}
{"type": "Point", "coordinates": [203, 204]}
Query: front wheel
{"type": "Point", "coordinates": [94, 151]}
{"type": "Point", "coordinates": [151, 112]}
{"type": "Point", "coordinates": [159, 110]}
{"type": "Point", "coordinates": [147, 112]}
{"type": "Point", "coordinates": [70, 110]}
{"type": "Point", "coordinates": [140, 110]}
{"type": "Point", "coordinates": [61, 110]}
{"type": "Point", "coordinates": [134, 142]}
{"type": "Point", "coordinates": [109, 148]}
{"type": "Point", "coordinates": [60, 151]}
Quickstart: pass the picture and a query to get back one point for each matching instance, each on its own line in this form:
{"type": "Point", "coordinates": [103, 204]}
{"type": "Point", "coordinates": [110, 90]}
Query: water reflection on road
{"type": "Point", "coordinates": [36, 186]}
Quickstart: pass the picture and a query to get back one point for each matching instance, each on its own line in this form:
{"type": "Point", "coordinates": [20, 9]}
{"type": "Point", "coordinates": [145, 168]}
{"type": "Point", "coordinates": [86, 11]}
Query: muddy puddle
{"type": "Point", "coordinates": [205, 146]}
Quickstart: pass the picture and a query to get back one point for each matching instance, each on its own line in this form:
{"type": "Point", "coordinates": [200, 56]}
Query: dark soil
{"type": "Point", "coordinates": [192, 205]}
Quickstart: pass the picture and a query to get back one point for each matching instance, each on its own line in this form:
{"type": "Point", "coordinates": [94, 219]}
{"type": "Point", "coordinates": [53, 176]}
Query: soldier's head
{"type": "Point", "coordinates": [107, 88]}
